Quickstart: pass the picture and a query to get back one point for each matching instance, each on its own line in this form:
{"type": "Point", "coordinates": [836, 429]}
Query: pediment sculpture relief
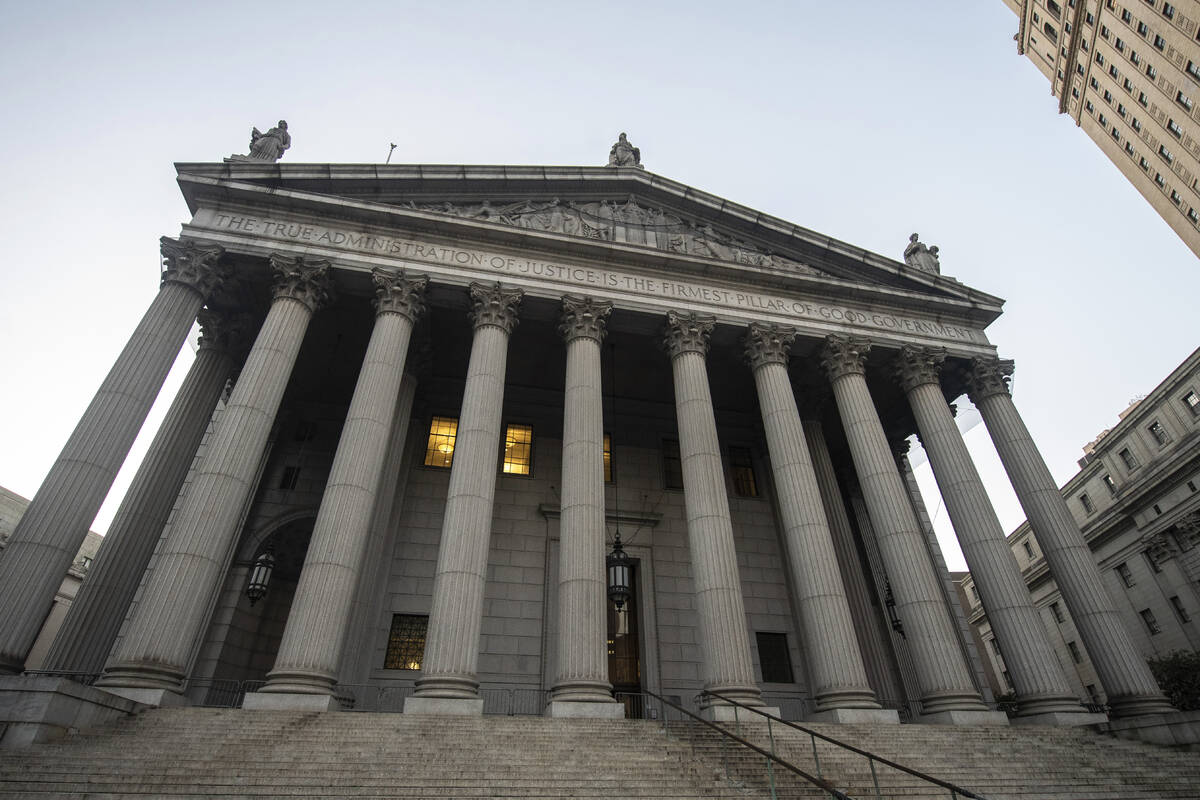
{"type": "Point", "coordinates": [628, 222]}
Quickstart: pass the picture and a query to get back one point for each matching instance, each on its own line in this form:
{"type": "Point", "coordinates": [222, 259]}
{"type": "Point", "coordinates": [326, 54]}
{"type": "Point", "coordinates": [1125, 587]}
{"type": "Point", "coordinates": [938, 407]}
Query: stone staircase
{"type": "Point", "coordinates": [206, 753]}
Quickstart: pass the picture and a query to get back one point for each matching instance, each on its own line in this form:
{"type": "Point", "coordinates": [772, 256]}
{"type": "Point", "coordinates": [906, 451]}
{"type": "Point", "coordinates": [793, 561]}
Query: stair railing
{"type": "Point", "coordinates": [773, 760]}
{"type": "Point", "coordinates": [872, 759]}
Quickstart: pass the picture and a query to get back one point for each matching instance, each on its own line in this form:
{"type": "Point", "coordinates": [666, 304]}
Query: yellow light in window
{"type": "Point", "coordinates": [439, 452]}
{"type": "Point", "coordinates": [518, 450]}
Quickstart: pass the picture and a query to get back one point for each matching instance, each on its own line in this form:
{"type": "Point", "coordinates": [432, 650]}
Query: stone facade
{"type": "Point", "coordinates": [455, 386]}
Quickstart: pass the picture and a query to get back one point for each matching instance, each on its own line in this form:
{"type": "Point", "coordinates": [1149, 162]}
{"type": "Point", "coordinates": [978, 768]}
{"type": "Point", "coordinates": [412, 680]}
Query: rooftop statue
{"type": "Point", "coordinates": [267, 146]}
{"type": "Point", "coordinates": [623, 154]}
{"type": "Point", "coordinates": [916, 254]}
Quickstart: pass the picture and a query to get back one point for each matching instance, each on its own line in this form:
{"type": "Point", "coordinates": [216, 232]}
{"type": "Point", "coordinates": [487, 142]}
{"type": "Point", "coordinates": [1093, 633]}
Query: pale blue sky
{"type": "Point", "coordinates": [864, 121]}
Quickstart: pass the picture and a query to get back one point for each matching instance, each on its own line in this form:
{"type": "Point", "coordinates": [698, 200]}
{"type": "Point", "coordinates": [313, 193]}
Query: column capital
{"type": "Point", "coordinates": [584, 317]}
{"type": "Point", "coordinates": [988, 376]}
{"type": "Point", "coordinates": [197, 266]}
{"type": "Point", "coordinates": [917, 366]}
{"type": "Point", "coordinates": [494, 305]}
{"type": "Point", "coordinates": [844, 355]}
{"type": "Point", "coordinates": [768, 344]}
{"type": "Point", "coordinates": [687, 333]}
{"type": "Point", "coordinates": [229, 333]}
{"type": "Point", "coordinates": [304, 280]}
{"type": "Point", "coordinates": [398, 293]}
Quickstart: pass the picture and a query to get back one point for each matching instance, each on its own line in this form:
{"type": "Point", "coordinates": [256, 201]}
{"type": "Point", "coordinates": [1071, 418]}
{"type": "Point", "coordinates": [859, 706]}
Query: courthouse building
{"type": "Point", "coordinates": [442, 393]}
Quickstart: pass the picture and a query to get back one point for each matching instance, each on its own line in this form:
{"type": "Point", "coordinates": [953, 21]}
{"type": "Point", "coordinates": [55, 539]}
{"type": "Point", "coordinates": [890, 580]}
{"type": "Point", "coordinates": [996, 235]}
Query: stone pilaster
{"type": "Point", "coordinates": [311, 649]}
{"type": "Point", "coordinates": [44, 543]}
{"type": "Point", "coordinates": [724, 638]}
{"type": "Point", "coordinates": [837, 677]}
{"type": "Point", "coordinates": [1127, 681]}
{"type": "Point", "coordinates": [95, 616]}
{"type": "Point", "coordinates": [1040, 684]}
{"type": "Point", "coordinates": [945, 683]}
{"type": "Point", "coordinates": [452, 644]}
{"type": "Point", "coordinates": [582, 602]}
{"type": "Point", "coordinates": [152, 657]}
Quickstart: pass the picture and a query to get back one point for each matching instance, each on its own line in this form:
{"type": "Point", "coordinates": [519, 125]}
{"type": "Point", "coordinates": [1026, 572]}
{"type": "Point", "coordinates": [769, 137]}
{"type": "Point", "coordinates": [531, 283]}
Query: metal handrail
{"type": "Point", "coordinates": [955, 790]}
{"type": "Point", "coordinates": [820, 783]}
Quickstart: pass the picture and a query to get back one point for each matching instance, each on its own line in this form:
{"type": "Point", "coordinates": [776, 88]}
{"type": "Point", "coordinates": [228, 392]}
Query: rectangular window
{"type": "Point", "coordinates": [439, 451]}
{"type": "Point", "coordinates": [1107, 96]}
{"type": "Point", "coordinates": [406, 641]}
{"type": "Point", "coordinates": [1175, 198]}
{"type": "Point", "coordinates": [1142, 29]}
{"type": "Point", "coordinates": [1168, 11]}
{"type": "Point", "coordinates": [1050, 31]}
{"type": "Point", "coordinates": [1151, 623]}
{"type": "Point", "coordinates": [1151, 72]}
{"type": "Point", "coordinates": [1142, 99]}
{"type": "Point", "coordinates": [1100, 58]}
{"type": "Point", "coordinates": [607, 458]}
{"type": "Point", "coordinates": [1103, 120]}
{"type": "Point", "coordinates": [1128, 85]}
{"type": "Point", "coordinates": [1174, 128]}
{"type": "Point", "coordinates": [672, 466]}
{"type": "Point", "coordinates": [1128, 459]}
{"type": "Point", "coordinates": [1143, 163]}
{"type": "Point", "coordinates": [1167, 155]}
{"type": "Point", "coordinates": [774, 658]}
{"type": "Point", "coordinates": [1135, 58]}
{"type": "Point", "coordinates": [1120, 109]}
{"type": "Point", "coordinates": [742, 466]}
{"type": "Point", "coordinates": [1158, 178]}
{"type": "Point", "coordinates": [1124, 574]}
{"type": "Point", "coordinates": [1192, 403]}
{"type": "Point", "coordinates": [518, 450]}
{"type": "Point", "coordinates": [1129, 148]}
{"type": "Point", "coordinates": [1193, 216]}
{"type": "Point", "coordinates": [1075, 656]}
{"type": "Point", "coordinates": [1093, 83]}
{"type": "Point", "coordinates": [1056, 610]}
{"type": "Point", "coordinates": [1116, 134]}
{"type": "Point", "coordinates": [1079, 69]}
{"type": "Point", "coordinates": [1126, 17]}
{"type": "Point", "coordinates": [1054, 7]}
{"type": "Point", "coordinates": [1180, 611]}
{"type": "Point", "coordinates": [1075, 93]}
{"type": "Point", "coordinates": [1028, 549]}
{"type": "Point", "coordinates": [1090, 19]}
{"type": "Point", "coordinates": [1183, 100]}
{"type": "Point", "coordinates": [289, 479]}
{"type": "Point", "coordinates": [995, 645]}
{"type": "Point", "coordinates": [1136, 125]}
{"type": "Point", "coordinates": [1091, 109]}
{"type": "Point", "coordinates": [1109, 484]}
{"type": "Point", "coordinates": [1193, 70]}
{"type": "Point", "coordinates": [1112, 70]}
{"type": "Point", "coordinates": [1104, 31]}
{"type": "Point", "coordinates": [1160, 42]}
{"type": "Point", "coordinates": [1120, 45]}
{"type": "Point", "coordinates": [1088, 506]}
{"type": "Point", "coordinates": [1158, 432]}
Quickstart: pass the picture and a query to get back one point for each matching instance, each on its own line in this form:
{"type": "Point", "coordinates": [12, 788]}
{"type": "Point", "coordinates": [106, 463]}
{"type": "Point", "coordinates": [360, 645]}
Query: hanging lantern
{"type": "Point", "coordinates": [260, 575]}
{"type": "Point", "coordinates": [618, 574]}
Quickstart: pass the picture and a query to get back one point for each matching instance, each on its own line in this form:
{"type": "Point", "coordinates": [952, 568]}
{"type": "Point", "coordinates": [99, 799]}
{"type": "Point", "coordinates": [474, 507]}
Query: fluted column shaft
{"type": "Point", "coordinates": [158, 642]}
{"type": "Point", "coordinates": [724, 638]}
{"type": "Point", "coordinates": [1127, 681]}
{"type": "Point", "coordinates": [945, 683]}
{"type": "Point", "coordinates": [837, 677]}
{"type": "Point", "coordinates": [95, 616]}
{"type": "Point", "coordinates": [456, 612]}
{"type": "Point", "coordinates": [311, 649]}
{"type": "Point", "coordinates": [1037, 677]}
{"type": "Point", "coordinates": [582, 604]}
{"type": "Point", "coordinates": [52, 529]}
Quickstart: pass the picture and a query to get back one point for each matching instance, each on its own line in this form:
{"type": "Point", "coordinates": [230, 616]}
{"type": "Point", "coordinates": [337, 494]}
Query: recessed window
{"type": "Point", "coordinates": [1124, 574]}
{"type": "Point", "coordinates": [774, 658]}
{"type": "Point", "coordinates": [672, 465]}
{"type": "Point", "coordinates": [1107, 96]}
{"type": "Point", "coordinates": [1168, 11]}
{"type": "Point", "coordinates": [1193, 70]}
{"type": "Point", "coordinates": [1193, 216]}
{"type": "Point", "coordinates": [1057, 611]}
{"type": "Point", "coordinates": [1174, 128]}
{"type": "Point", "coordinates": [1120, 45]}
{"type": "Point", "coordinates": [1183, 100]}
{"type": "Point", "coordinates": [1160, 42]}
{"type": "Point", "coordinates": [1054, 8]}
{"type": "Point", "coordinates": [1129, 148]}
{"type": "Point", "coordinates": [1136, 125]}
{"type": "Point", "coordinates": [1090, 18]}
{"type": "Point", "coordinates": [1104, 31]}
{"type": "Point", "coordinates": [289, 478]}
{"type": "Point", "coordinates": [995, 647]}
{"type": "Point", "coordinates": [1120, 109]}
{"type": "Point", "coordinates": [1116, 134]}
{"type": "Point", "coordinates": [1028, 549]}
{"type": "Point", "coordinates": [406, 641]}
{"type": "Point", "coordinates": [1074, 650]}
{"type": "Point", "coordinates": [1103, 120]}
{"type": "Point", "coordinates": [1142, 99]}
{"type": "Point", "coordinates": [1093, 83]}
{"type": "Point", "coordinates": [1143, 163]}
{"type": "Point", "coordinates": [1091, 109]}
{"type": "Point", "coordinates": [607, 458]}
{"type": "Point", "coordinates": [1142, 29]}
{"type": "Point", "coordinates": [1151, 72]}
{"type": "Point", "coordinates": [1151, 623]}
{"type": "Point", "coordinates": [1167, 155]}
{"type": "Point", "coordinates": [1192, 403]}
{"type": "Point", "coordinates": [1075, 93]}
{"type": "Point", "coordinates": [1126, 17]}
{"type": "Point", "coordinates": [1107, 480]}
{"type": "Point", "coordinates": [1088, 506]}
{"type": "Point", "coordinates": [1100, 58]}
{"type": "Point", "coordinates": [439, 451]}
{"type": "Point", "coordinates": [1180, 611]}
{"type": "Point", "coordinates": [1128, 84]}
{"type": "Point", "coordinates": [518, 450]}
{"type": "Point", "coordinates": [1135, 58]}
{"type": "Point", "coordinates": [1050, 31]}
{"type": "Point", "coordinates": [1128, 459]}
{"type": "Point", "coordinates": [1158, 432]}
{"type": "Point", "coordinates": [1175, 198]}
{"type": "Point", "coordinates": [1158, 178]}
{"type": "Point", "coordinates": [742, 466]}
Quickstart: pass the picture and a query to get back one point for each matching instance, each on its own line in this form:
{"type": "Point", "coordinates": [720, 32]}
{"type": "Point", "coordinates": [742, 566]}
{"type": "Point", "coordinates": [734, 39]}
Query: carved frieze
{"type": "Point", "coordinates": [398, 293]}
{"type": "Point", "coordinates": [584, 316]}
{"type": "Point", "coordinates": [193, 264]}
{"type": "Point", "coordinates": [768, 344]}
{"type": "Point", "coordinates": [628, 222]}
{"type": "Point", "coordinates": [1160, 547]}
{"type": "Point", "coordinates": [844, 355]}
{"type": "Point", "coordinates": [305, 280]}
{"type": "Point", "coordinates": [988, 376]}
{"type": "Point", "coordinates": [1188, 531]}
{"type": "Point", "coordinates": [494, 305]}
{"type": "Point", "coordinates": [916, 366]}
{"type": "Point", "coordinates": [687, 333]}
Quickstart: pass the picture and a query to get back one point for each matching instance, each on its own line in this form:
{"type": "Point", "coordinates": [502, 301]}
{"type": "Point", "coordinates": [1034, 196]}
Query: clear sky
{"type": "Point", "coordinates": [864, 121]}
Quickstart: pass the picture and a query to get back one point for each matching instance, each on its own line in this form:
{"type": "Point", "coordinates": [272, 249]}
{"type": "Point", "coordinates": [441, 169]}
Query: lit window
{"type": "Point", "coordinates": [1056, 610]}
{"type": "Point", "coordinates": [1158, 432]}
{"type": "Point", "coordinates": [406, 642]}
{"type": "Point", "coordinates": [743, 472]}
{"type": "Point", "coordinates": [518, 450]}
{"type": "Point", "coordinates": [774, 658]}
{"type": "Point", "coordinates": [607, 458]}
{"type": "Point", "coordinates": [1180, 611]}
{"type": "Point", "coordinates": [1167, 155]}
{"type": "Point", "coordinates": [1128, 459]}
{"type": "Point", "coordinates": [672, 465]}
{"type": "Point", "coordinates": [1151, 622]}
{"type": "Point", "coordinates": [1075, 655]}
{"type": "Point", "coordinates": [439, 452]}
{"type": "Point", "coordinates": [1109, 484]}
{"type": "Point", "coordinates": [1124, 574]}
{"type": "Point", "coordinates": [1183, 100]}
{"type": "Point", "coordinates": [1192, 403]}
{"type": "Point", "coordinates": [1085, 501]}
{"type": "Point", "coordinates": [1160, 42]}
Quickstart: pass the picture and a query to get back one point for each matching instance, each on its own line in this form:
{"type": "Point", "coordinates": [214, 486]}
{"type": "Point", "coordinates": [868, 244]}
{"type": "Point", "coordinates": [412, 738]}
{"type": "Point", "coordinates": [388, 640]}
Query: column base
{"type": "Point", "coordinates": [735, 714]}
{"type": "Point", "coordinates": [1139, 706]}
{"type": "Point", "coordinates": [37, 709]}
{"type": "Point", "coordinates": [289, 701]}
{"type": "Point", "coordinates": [1064, 719]}
{"type": "Point", "coordinates": [1179, 729]}
{"type": "Point", "coordinates": [570, 709]}
{"type": "Point", "coordinates": [962, 717]}
{"type": "Point", "coordinates": [445, 706]}
{"type": "Point", "coordinates": [850, 716]}
{"type": "Point", "coordinates": [161, 698]}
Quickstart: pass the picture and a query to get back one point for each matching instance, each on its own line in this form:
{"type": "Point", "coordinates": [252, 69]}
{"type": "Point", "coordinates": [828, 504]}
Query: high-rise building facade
{"type": "Point", "coordinates": [1128, 73]}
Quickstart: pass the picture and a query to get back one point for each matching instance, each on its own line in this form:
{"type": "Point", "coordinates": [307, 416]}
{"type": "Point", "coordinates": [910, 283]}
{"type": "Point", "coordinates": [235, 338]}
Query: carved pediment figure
{"type": "Point", "coordinates": [916, 254]}
{"type": "Point", "coordinates": [623, 154]}
{"type": "Point", "coordinates": [269, 146]}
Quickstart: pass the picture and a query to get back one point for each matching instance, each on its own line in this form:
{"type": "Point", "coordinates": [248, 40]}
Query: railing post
{"type": "Point", "coordinates": [874, 778]}
{"type": "Point", "coordinates": [816, 758]}
{"type": "Point", "coordinates": [770, 761]}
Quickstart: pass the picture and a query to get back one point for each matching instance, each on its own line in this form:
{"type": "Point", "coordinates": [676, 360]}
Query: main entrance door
{"type": "Point", "coordinates": [624, 656]}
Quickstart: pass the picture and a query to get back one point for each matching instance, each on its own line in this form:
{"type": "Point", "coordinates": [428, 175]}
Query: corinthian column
{"type": "Point", "coordinates": [1127, 681]}
{"type": "Point", "coordinates": [1043, 693]}
{"type": "Point", "coordinates": [724, 639]}
{"type": "Point", "coordinates": [448, 684]}
{"type": "Point", "coordinates": [95, 616]}
{"type": "Point", "coordinates": [54, 525]}
{"type": "Point", "coordinates": [947, 693]}
{"type": "Point", "coordinates": [151, 660]}
{"type": "Point", "coordinates": [582, 687]}
{"type": "Point", "coordinates": [837, 677]}
{"type": "Point", "coordinates": [306, 666]}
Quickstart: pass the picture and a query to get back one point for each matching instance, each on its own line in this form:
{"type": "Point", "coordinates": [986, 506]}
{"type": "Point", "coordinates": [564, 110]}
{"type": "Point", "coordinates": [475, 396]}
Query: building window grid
{"type": "Point", "coordinates": [672, 465]}
{"type": "Point", "coordinates": [406, 641]}
{"type": "Point", "coordinates": [1191, 401]}
{"type": "Point", "coordinates": [439, 451]}
{"type": "Point", "coordinates": [774, 658]}
{"type": "Point", "coordinates": [1166, 154]}
{"type": "Point", "coordinates": [1128, 459]}
{"type": "Point", "coordinates": [742, 466]}
{"type": "Point", "coordinates": [1151, 623]}
{"type": "Point", "coordinates": [1125, 574]}
{"type": "Point", "coordinates": [518, 450]}
{"type": "Point", "coordinates": [1158, 432]}
{"type": "Point", "coordinates": [1088, 506]}
{"type": "Point", "coordinates": [1184, 100]}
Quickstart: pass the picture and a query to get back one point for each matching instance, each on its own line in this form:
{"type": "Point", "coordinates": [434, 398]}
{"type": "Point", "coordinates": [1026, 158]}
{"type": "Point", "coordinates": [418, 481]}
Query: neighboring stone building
{"type": "Point", "coordinates": [1128, 73]}
{"type": "Point", "coordinates": [408, 491]}
{"type": "Point", "coordinates": [12, 506]}
{"type": "Point", "coordinates": [1137, 501]}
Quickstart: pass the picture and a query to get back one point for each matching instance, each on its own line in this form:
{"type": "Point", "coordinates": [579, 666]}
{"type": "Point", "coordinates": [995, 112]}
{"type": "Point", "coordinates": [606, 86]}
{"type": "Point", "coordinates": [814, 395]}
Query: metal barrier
{"type": "Point", "coordinates": [872, 759]}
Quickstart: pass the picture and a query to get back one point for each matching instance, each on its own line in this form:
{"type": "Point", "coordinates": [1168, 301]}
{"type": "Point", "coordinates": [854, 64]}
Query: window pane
{"type": "Point", "coordinates": [518, 449]}
{"type": "Point", "coordinates": [744, 484]}
{"type": "Point", "coordinates": [406, 642]}
{"type": "Point", "coordinates": [607, 458]}
{"type": "Point", "coordinates": [774, 657]}
{"type": "Point", "coordinates": [439, 452]}
{"type": "Point", "coordinates": [672, 466]}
